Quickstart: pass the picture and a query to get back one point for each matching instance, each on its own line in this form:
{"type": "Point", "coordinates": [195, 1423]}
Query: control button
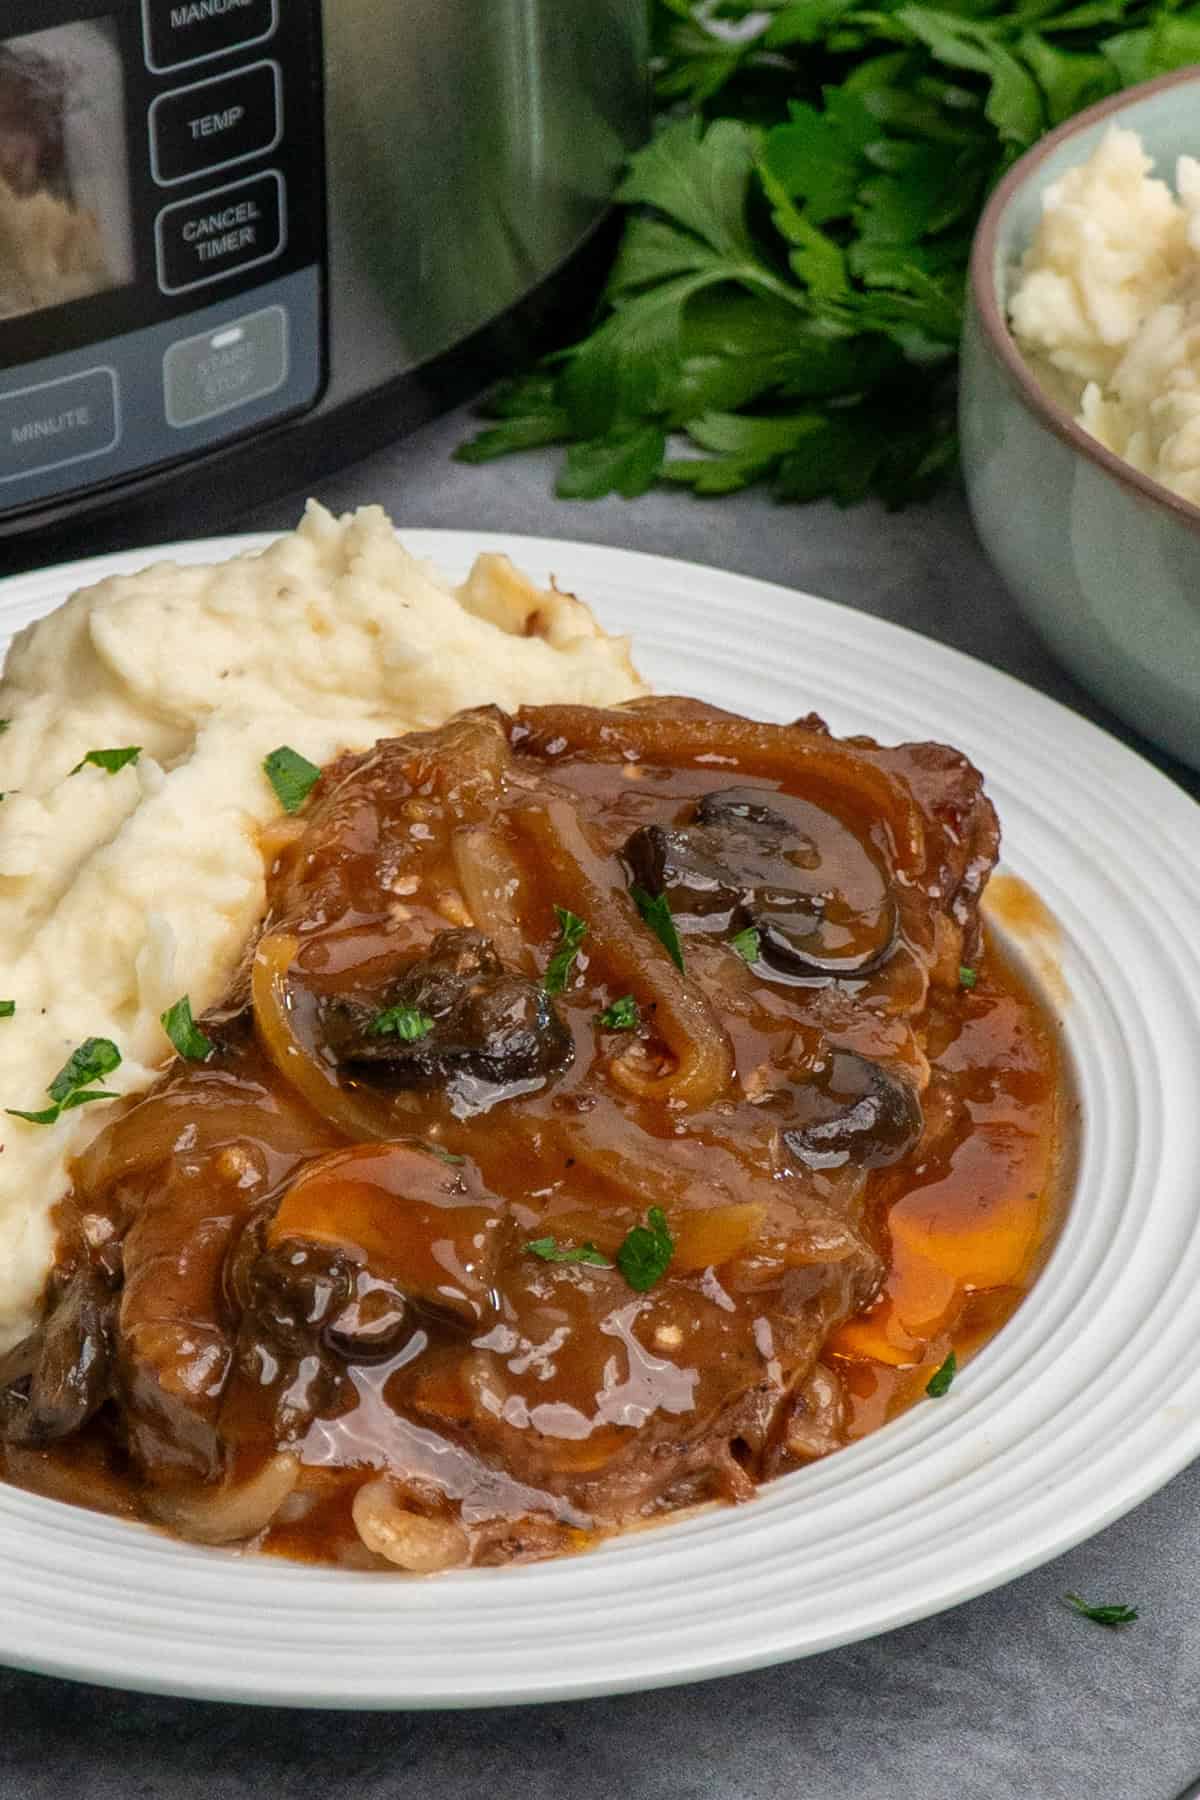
{"type": "Point", "coordinates": [180, 32]}
{"type": "Point", "coordinates": [212, 373]}
{"type": "Point", "coordinates": [214, 123]}
{"type": "Point", "coordinates": [219, 233]}
{"type": "Point", "coordinates": [58, 422]}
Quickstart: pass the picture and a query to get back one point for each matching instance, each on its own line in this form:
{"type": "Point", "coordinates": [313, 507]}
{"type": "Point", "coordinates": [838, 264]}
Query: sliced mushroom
{"type": "Point", "coordinates": [853, 1110]}
{"type": "Point", "coordinates": [751, 856]}
{"type": "Point", "coordinates": [700, 888]}
{"type": "Point", "coordinates": [750, 806]}
{"type": "Point", "coordinates": [305, 1297]}
{"type": "Point", "coordinates": [54, 1381]}
{"type": "Point", "coordinates": [480, 1023]}
{"type": "Point", "coordinates": [295, 1290]}
{"type": "Point", "coordinates": [408, 1231]}
{"type": "Point", "coordinates": [377, 1319]}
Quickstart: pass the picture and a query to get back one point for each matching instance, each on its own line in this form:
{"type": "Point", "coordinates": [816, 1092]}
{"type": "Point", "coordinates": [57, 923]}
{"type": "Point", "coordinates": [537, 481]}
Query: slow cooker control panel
{"type": "Point", "coordinates": [161, 233]}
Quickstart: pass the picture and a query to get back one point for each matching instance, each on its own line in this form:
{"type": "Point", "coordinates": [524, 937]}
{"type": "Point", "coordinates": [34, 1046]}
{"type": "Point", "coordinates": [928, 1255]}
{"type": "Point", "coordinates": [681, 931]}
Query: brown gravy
{"type": "Point", "coordinates": [348, 1261]}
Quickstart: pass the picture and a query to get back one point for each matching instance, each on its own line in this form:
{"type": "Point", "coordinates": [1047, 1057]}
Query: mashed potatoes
{"type": "Point", "coordinates": [1108, 302]}
{"type": "Point", "coordinates": [120, 892]}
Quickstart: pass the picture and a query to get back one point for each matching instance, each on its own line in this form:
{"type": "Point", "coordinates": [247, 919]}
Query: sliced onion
{"type": "Point", "coordinates": [635, 961]}
{"type": "Point", "coordinates": [705, 1240]}
{"type": "Point", "coordinates": [490, 881]}
{"type": "Point", "coordinates": [795, 756]}
{"type": "Point", "coordinates": [231, 1512]}
{"type": "Point", "coordinates": [410, 1220]}
{"type": "Point", "coordinates": [409, 1539]}
{"type": "Point", "coordinates": [704, 1237]}
{"type": "Point", "coordinates": [227, 1111]}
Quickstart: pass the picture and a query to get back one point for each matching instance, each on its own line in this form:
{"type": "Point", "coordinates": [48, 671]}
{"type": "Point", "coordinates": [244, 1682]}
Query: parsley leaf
{"type": "Point", "coordinates": [4, 725]}
{"type": "Point", "coordinates": [1167, 42]}
{"type": "Point", "coordinates": [292, 776]}
{"type": "Point", "coordinates": [821, 156]}
{"type": "Point", "coordinates": [817, 200]}
{"type": "Point", "coordinates": [571, 932]}
{"type": "Point", "coordinates": [82, 1096]}
{"type": "Point", "coordinates": [406, 1022]}
{"type": "Point", "coordinates": [550, 1250]}
{"type": "Point", "coordinates": [623, 1015]}
{"type": "Point", "coordinates": [697, 65]}
{"type": "Point", "coordinates": [529, 432]}
{"type": "Point", "coordinates": [746, 944]}
{"type": "Point", "coordinates": [700, 180]}
{"type": "Point", "coordinates": [656, 913]}
{"type": "Point", "coordinates": [624, 461]}
{"type": "Point", "coordinates": [967, 977]}
{"type": "Point", "coordinates": [109, 760]}
{"type": "Point", "coordinates": [92, 1061]}
{"type": "Point", "coordinates": [528, 417]}
{"type": "Point", "coordinates": [646, 1251]}
{"type": "Point", "coordinates": [7, 1008]}
{"type": "Point", "coordinates": [444, 1155]}
{"type": "Point", "coordinates": [939, 1382]}
{"type": "Point", "coordinates": [1112, 1614]}
{"type": "Point", "coordinates": [184, 1033]}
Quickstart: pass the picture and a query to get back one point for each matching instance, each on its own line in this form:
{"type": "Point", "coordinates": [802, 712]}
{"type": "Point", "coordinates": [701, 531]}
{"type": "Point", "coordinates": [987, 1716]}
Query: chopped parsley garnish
{"type": "Point", "coordinates": [1113, 1614]}
{"type": "Point", "coordinates": [406, 1022]}
{"type": "Point", "coordinates": [656, 913]}
{"type": "Point", "coordinates": [622, 1015]}
{"type": "Point", "coordinates": [7, 1008]}
{"type": "Point", "coordinates": [92, 1061]}
{"type": "Point", "coordinates": [967, 977]}
{"type": "Point", "coordinates": [550, 1250]}
{"type": "Point", "coordinates": [571, 932]}
{"type": "Point", "coordinates": [109, 760]}
{"type": "Point", "coordinates": [746, 944]}
{"type": "Point", "coordinates": [443, 1155]}
{"type": "Point", "coordinates": [292, 776]}
{"type": "Point", "coordinates": [643, 1257]}
{"type": "Point", "coordinates": [939, 1382]}
{"type": "Point", "coordinates": [4, 725]}
{"type": "Point", "coordinates": [184, 1033]}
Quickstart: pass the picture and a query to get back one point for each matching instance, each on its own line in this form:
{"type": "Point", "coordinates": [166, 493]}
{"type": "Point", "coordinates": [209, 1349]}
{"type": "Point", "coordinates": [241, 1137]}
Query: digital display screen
{"type": "Point", "coordinates": [65, 217]}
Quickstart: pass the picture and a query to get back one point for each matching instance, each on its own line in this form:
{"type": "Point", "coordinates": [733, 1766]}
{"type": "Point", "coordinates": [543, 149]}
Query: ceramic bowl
{"type": "Point", "coordinates": [1104, 561]}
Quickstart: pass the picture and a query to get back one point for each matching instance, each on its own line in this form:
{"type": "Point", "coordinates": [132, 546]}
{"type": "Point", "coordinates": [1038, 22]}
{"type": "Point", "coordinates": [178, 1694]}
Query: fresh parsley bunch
{"type": "Point", "coordinates": [786, 302]}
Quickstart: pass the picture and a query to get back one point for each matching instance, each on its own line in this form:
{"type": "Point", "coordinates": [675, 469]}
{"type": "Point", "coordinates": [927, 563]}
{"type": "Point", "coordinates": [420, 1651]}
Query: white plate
{"type": "Point", "coordinates": [1083, 1405]}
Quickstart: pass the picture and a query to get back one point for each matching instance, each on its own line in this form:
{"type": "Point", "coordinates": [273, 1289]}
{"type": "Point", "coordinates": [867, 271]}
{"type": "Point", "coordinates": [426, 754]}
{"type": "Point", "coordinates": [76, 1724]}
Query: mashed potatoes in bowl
{"type": "Point", "coordinates": [1107, 306]}
{"type": "Point", "coordinates": [136, 719]}
{"type": "Point", "coordinates": [1078, 421]}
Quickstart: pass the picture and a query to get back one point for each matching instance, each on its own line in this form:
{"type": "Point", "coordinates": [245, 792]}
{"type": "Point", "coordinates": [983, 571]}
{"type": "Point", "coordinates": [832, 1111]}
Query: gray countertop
{"type": "Point", "coordinates": [1010, 1695]}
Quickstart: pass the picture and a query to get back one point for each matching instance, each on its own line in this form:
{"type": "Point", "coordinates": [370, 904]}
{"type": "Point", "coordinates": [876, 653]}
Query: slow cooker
{"type": "Point", "coordinates": [241, 240]}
